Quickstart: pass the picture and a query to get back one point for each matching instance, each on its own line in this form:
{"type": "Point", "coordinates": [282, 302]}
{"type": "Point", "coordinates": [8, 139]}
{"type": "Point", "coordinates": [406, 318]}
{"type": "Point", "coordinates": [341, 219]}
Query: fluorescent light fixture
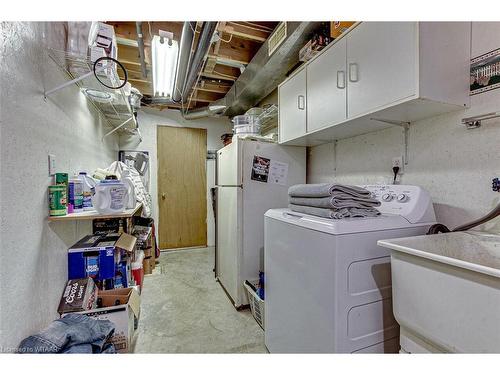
{"type": "Point", "coordinates": [165, 52]}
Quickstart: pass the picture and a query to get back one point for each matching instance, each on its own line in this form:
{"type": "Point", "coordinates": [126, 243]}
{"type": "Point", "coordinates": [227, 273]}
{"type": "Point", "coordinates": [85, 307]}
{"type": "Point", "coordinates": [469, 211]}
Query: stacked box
{"type": "Point", "coordinates": [78, 295]}
{"type": "Point", "coordinates": [104, 258]}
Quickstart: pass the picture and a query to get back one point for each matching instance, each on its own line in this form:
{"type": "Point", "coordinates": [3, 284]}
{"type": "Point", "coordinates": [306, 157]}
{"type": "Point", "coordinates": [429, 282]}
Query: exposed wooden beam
{"type": "Point", "coordinates": [246, 32]}
{"type": "Point", "coordinates": [213, 88]}
{"type": "Point", "coordinates": [219, 76]}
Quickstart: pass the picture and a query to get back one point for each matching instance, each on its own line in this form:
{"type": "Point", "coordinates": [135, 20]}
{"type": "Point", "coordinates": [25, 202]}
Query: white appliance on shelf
{"type": "Point", "coordinates": [252, 177]}
{"type": "Point", "coordinates": [328, 284]}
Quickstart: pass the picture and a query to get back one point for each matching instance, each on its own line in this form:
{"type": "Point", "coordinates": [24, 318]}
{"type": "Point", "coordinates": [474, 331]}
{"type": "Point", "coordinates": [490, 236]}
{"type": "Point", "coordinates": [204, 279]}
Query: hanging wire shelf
{"type": "Point", "coordinates": [113, 104]}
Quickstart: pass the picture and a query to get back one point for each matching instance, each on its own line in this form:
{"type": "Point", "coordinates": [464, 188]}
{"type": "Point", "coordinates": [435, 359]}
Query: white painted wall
{"type": "Point", "coordinates": [33, 260]}
{"type": "Point", "coordinates": [148, 120]}
{"type": "Point", "coordinates": [454, 164]}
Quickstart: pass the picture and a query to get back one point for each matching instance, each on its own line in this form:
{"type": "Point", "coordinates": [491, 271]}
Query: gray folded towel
{"type": "Point", "coordinates": [326, 190]}
{"type": "Point", "coordinates": [339, 200]}
{"type": "Point", "coordinates": [335, 214]}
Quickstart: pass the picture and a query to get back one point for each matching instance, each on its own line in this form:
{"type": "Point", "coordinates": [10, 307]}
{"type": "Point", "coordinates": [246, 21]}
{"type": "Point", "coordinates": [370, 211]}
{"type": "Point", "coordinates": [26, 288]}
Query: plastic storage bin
{"type": "Point", "coordinates": [256, 304]}
{"type": "Point", "coordinates": [245, 124]}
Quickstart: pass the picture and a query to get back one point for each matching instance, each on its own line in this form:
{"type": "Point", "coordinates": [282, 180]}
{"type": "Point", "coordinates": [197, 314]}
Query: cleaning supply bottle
{"type": "Point", "coordinates": [88, 184]}
{"type": "Point", "coordinates": [127, 180]}
{"type": "Point", "coordinates": [76, 194]}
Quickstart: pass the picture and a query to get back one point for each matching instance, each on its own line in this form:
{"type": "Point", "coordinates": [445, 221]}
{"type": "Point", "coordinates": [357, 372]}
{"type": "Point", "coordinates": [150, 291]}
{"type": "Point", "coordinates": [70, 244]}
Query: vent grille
{"type": "Point", "coordinates": [278, 36]}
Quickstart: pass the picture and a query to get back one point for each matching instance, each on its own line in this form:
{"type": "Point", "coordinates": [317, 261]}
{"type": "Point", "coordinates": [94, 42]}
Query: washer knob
{"type": "Point", "coordinates": [402, 198]}
{"type": "Point", "coordinates": [387, 197]}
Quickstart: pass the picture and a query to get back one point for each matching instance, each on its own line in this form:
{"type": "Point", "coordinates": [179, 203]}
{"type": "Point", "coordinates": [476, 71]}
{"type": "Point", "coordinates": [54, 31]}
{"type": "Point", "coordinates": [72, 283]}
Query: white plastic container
{"type": "Point", "coordinates": [110, 197]}
{"type": "Point", "coordinates": [88, 190]}
{"type": "Point", "coordinates": [245, 124]}
{"type": "Point", "coordinates": [127, 180]}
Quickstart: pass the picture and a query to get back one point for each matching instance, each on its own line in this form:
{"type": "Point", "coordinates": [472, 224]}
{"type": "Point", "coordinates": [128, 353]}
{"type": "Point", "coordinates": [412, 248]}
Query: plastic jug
{"type": "Point", "coordinates": [127, 180]}
{"type": "Point", "coordinates": [110, 197]}
{"type": "Point", "coordinates": [88, 190]}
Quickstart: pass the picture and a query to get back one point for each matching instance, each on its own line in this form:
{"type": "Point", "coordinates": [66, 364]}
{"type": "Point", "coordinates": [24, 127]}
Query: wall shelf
{"type": "Point", "coordinates": [116, 110]}
{"type": "Point", "coordinates": [91, 215]}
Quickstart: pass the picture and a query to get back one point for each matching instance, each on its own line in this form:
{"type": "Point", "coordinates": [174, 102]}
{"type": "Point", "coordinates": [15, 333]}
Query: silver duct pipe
{"type": "Point", "coordinates": [140, 45]}
{"type": "Point", "coordinates": [211, 110]}
{"type": "Point", "coordinates": [204, 42]}
{"type": "Point", "coordinates": [185, 45]}
{"type": "Point", "coordinates": [264, 73]}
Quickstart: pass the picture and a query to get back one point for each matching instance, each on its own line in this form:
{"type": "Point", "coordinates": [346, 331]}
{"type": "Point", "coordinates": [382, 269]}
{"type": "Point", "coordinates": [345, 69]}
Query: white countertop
{"type": "Point", "coordinates": [472, 250]}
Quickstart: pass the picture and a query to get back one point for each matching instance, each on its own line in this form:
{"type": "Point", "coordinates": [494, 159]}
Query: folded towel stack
{"type": "Point", "coordinates": [333, 201]}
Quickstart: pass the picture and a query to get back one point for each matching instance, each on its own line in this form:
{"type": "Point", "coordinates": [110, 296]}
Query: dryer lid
{"type": "Point", "coordinates": [342, 226]}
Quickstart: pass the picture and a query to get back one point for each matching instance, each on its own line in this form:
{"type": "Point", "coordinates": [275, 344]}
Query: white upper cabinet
{"type": "Point", "coordinates": [381, 65]}
{"type": "Point", "coordinates": [375, 75]}
{"type": "Point", "coordinates": [327, 88]}
{"type": "Point", "coordinates": [292, 107]}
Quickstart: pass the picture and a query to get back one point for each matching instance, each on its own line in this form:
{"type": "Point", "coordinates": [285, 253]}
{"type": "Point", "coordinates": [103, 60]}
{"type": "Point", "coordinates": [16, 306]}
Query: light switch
{"type": "Point", "coordinates": [52, 165]}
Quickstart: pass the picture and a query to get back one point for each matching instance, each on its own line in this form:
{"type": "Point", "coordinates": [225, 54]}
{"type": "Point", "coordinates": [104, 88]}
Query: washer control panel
{"type": "Point", "coordinates": [412, 202]}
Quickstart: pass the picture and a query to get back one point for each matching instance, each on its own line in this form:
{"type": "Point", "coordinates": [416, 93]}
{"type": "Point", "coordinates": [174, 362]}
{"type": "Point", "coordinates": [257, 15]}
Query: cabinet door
{"type": "Point", "coordinates": [326, 88]}
{"type": "Point", "coordinates": [292, 107]}
{"type": "Point", "coordinates": [381, 65]}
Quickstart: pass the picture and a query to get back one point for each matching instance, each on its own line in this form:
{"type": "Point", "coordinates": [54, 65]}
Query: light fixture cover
{"type": "Point", "coordinates": [165, 53]}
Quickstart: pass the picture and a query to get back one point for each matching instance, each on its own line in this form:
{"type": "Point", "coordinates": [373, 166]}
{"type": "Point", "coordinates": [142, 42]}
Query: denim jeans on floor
{"type": "Point", "coordinates": [74, 333]}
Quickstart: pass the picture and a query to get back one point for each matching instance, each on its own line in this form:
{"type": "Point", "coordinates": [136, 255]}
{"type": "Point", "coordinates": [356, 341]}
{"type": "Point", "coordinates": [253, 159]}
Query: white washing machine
{"type": "Point", "coordinates": [328, 284]}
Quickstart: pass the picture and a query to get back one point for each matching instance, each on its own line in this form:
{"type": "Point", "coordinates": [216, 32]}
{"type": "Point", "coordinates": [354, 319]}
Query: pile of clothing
{"type": "Point", "coordinates": [73, 333]}
{"type": "Point", "coordinates": [333, 201]}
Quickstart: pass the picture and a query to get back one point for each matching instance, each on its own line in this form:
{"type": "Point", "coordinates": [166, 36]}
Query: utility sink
{"type": "Point", "coordinates": [446, 292]}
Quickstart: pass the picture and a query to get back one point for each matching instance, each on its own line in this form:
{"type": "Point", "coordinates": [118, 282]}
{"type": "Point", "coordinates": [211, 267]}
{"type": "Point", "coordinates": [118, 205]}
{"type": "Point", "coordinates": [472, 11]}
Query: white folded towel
{"type": "Point", "coordinates": [335, 214]}
{"type": "Point", "coordinates": [327, 190]}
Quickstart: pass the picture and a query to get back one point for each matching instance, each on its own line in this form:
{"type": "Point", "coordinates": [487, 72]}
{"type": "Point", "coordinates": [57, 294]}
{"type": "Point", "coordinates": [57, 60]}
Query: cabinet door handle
{"type": "Point", "coordinates": [353, 72]}
{"type": "Point", "coordinates": [301, 103]}
{"type": "Point", "coordinates": [340, 79]}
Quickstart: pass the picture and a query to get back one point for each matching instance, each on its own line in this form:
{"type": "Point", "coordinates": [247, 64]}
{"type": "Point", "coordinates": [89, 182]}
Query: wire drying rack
{"type": "Point", "coordinates": [269, 117]}
{"type": "Point", "coordinates": [113, 105]}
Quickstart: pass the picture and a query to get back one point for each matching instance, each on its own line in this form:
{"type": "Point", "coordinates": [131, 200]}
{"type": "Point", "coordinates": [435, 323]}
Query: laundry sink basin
{"type": "Point", "coordinates": [446, 292]}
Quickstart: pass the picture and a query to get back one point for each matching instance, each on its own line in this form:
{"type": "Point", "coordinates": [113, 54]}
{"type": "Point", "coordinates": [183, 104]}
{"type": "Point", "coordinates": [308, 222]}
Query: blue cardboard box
{"type": "Point", "coordinates": [93, 256]}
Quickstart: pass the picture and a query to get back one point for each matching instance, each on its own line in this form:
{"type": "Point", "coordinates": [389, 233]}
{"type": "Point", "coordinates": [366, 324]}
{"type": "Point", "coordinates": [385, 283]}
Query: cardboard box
{"type": "Point", "coordinates": [78, 295]}
{"type": "Point", "coordinates": [146, 265]}
{"type": "Point", "coordinates": [123, 315]}
{"type": "Point", "coordinates": [143, 235]}
{"type": "Point", "coordinates": [102, 41]}
{"type": "Point", "coordinates": [337, 28]}
{"type": "Point", "coordinates": [105, 226]}
{"type": "Point", "coordinates": [97, 256]}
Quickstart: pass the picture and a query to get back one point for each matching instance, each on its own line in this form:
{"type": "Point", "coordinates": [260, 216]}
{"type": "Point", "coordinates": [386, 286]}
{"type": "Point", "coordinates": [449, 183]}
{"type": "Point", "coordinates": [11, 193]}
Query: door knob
{"type": "Point", "coordinates": [163, 196]}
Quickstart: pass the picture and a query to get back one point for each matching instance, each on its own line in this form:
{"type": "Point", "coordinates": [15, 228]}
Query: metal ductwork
{"type": "Point", "coordinates": [140, 45]}
{"type": "Point", "coordinates": [204, 42]}
{"type": "Point", "coordinates": [211, 110]}
{"type": "Point", "coordinates": [185, 45]}
{"type": "Point", "coordinates": [264, 73]}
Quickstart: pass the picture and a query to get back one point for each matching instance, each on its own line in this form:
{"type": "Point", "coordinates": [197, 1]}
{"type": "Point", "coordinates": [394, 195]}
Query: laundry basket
{"type": "Point", "coordinates": [256, 304]}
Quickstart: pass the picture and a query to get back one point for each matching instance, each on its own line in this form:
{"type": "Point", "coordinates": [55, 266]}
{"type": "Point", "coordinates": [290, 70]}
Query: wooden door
{"type": "Point", "coordinates": [182, 187]}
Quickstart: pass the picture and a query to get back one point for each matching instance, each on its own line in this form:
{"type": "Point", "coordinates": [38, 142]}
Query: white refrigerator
{"type": "Point", "coordinates": [252, 177]}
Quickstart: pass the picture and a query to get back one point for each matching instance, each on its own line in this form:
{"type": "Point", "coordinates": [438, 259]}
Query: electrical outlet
{"type": "Point", "coordinates": [398, 162]}
{"type": "Point", "coordinates": [52, 165]}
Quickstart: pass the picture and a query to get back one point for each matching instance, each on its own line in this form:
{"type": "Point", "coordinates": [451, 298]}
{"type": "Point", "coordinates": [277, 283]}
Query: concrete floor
{"type": "Point", "coordinates": [184, 310]}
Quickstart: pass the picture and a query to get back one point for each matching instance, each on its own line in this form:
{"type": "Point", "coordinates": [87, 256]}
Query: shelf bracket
{"type": "Point", "coordinates": [406, 129]}
{"type": "Point", "coordinates": [118, 127]}
{"type": "Point", "coordinates": [73, 81]}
